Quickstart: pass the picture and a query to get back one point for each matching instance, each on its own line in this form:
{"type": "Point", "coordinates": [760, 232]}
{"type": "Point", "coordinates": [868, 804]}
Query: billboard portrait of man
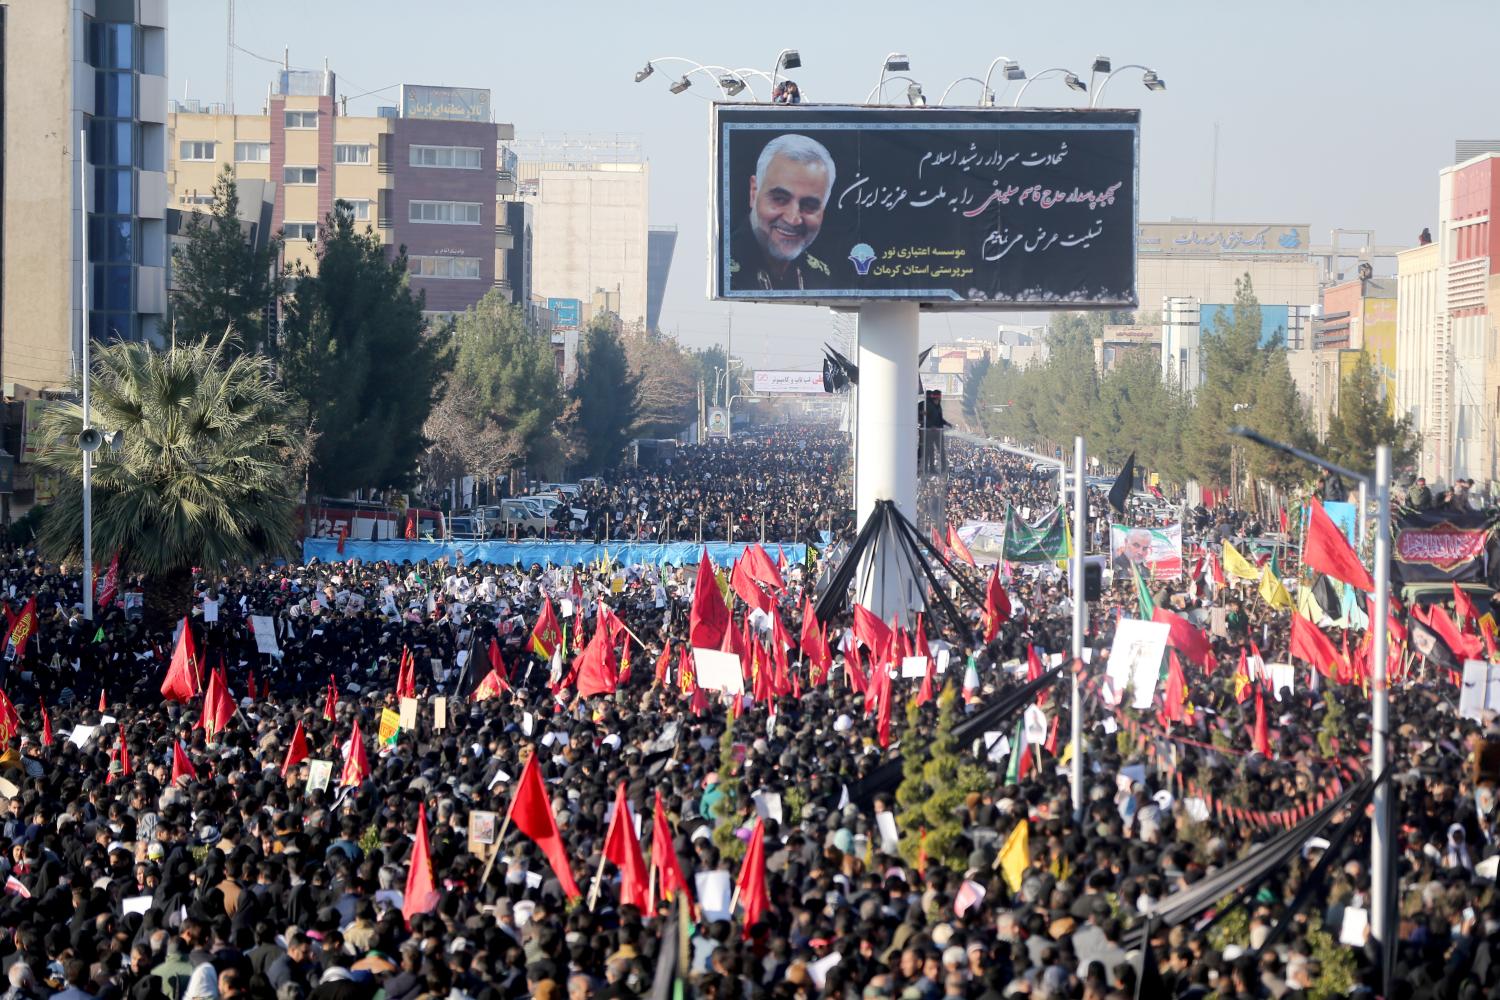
{"type": "Point", "coordinates": [787, 198]}
{"type": "Point", "coordinates": [1136, 549]}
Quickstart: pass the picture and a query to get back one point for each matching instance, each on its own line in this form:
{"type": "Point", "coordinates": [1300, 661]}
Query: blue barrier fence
{"type": "Point", "coordinates": [545, 553]}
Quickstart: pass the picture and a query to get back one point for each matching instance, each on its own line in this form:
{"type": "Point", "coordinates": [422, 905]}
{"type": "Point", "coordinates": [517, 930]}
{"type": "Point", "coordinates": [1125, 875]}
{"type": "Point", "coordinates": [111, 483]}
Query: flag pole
{"type": "Point", "coordinates": [1080, 610]}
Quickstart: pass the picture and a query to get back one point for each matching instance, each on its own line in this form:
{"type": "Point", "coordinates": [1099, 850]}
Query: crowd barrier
{"type": "Point", "coordinates": [546, 553]}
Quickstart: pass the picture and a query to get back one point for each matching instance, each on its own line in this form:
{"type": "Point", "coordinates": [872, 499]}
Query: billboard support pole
{"type": "Point", "coordinates": [1080, 620]}
{"type": "Point", "coordinates": [886, 459]}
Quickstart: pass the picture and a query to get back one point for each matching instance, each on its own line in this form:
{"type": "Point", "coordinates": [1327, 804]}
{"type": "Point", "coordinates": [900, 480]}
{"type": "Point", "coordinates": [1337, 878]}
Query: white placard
{"type": "Point", "coordinates": [565, 608]}
{"type": "Point", "coordinates": [890, 838]}
{"type": "Point", "coordinates": [1135, 658]}
{"type": "Point", "coordinates": [715, 889]}
{"type": "Point", "coordinates": [942, 661]}
{"type": "Point", "coordinates": [718, 671]}
{"type": "Point", "coordinates": [1283, 678]}
{"type": "Point", "coordinates": [1356, 922]}
{"type": "Point", "coordinates": [135, 904]}
{"type": "Point", "coordinates": [1480, 691]}
{"type": "Point", "coordinates": [81, 735]}
{"type": "Point", "coordinates": [210, 610]}
{"type": "Point", "coordinates": [818, 971]}
{"type": "Point", "coordinates": [1034, 723]}
{"type": "Point", "coordinates": [914, 666]}
{"type": "Point", "coordinates": [768, 805]}
{"type": "Point", "coordinates": [265, 635]}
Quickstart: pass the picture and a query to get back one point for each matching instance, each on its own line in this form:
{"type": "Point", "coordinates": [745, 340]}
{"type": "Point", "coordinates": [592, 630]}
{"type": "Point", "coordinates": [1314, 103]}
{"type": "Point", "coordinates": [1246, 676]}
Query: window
{"type": "Point", "coordinates": [114, 95]}
{"type": "Point", "coordinates": [301, 119]}
{"type": "Point", "coordinates": [111, 45]}
{"type": "Point", "coordinates": [358, 208]}
{"type": "Point", "coordinates": [196, 150]}
{"type": "Point", "coordinates": [112, 143]}
{"type": "Point", "coordinates": [463, 213]}
{"type": "Point", "coordinates": [252, 152]}
{"type": "Point", "coordinates": [300, 175]}
{"type": "Point", "coordinates": [458, 157]}
{"type": "Point", "coordinates": [197, 199]}
{"type": "Point", "coordinates": [351, 153]}
{"type": "Point", "coordinates": [444, 267]}
{"type": "Point", "coordinates": [300, 231]}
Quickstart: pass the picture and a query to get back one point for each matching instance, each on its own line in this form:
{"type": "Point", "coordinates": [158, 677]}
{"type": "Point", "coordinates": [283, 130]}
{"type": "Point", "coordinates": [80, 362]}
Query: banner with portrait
{"type": "Point", "coordinates": [1157, 552]}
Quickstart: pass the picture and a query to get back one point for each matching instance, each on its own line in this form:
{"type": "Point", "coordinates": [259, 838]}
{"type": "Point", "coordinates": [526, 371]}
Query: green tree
{"type": "Point", "coordinates": [947, 780]}
{"type": "Point", "coordinates": [204, 472]}
{"type": "Point", "coordinates": [727, 810]}
{"type": "Point", "coordinates": [501, 403]}
{"type": "Point", "coordinates": [357, 354]}
{"type": "Point", "coordinates": [224, 284]}
{"type": "Point", "coordinates": [710, 361]}
{"type": "Point", "coordinates": [973, 380]}
{"type": "Point", "coordinates": [1364, 420]}
{"type": "Point", "coordinates": [1139, 412]}
{"type": "Point", "coordinates": [606, 392]}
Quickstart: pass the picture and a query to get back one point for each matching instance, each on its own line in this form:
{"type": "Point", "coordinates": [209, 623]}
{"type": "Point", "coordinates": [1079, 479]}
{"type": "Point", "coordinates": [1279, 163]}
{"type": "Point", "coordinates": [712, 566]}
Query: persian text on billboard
{"type": "Point", "coordinates": [985, 207]}
{"type": "Point", "coordinates": [806, 382]}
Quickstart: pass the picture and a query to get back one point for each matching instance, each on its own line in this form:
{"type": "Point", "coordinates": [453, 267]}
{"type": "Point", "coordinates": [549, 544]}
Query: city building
{"type": "Point", "coordinates": [1354, 318]}
{"type": "Point", "coordinates": [1187, 270]}
{"type": "Point", "coordinates": [69, 67]}
{"type": "Point", "coordinates": [1122, 340]}
{"type": "Point", "coordinates": [1446, 328]}
{"type": "Point", "coordinates": [427, 175]}
{"type": "Point", "coordinates": [590, 199]}
{"type": "Point", "coordinates": [661, 242]}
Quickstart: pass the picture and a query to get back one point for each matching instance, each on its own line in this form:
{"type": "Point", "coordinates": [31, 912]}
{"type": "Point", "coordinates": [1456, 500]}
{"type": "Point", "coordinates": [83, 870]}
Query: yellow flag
{"type": "Point", "coordinates": [1237, 565]}
{"type": "Point", "coordinates": [1273, 591]}
{"type": "Point", "coordinates": [1015, 856]}
{"type": "Point", "coordinates": [1067, 754]}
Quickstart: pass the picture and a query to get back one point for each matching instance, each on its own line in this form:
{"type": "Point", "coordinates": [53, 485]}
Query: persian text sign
{"type": "Point", "coordinates": [987, 207]}
{"type": "Point", "coordinates": [800, 382]}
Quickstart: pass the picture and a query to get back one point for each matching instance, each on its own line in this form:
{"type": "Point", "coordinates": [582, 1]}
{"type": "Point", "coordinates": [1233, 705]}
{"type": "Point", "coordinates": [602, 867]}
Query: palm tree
{"type": "Point", "coordinates": [203, 472]}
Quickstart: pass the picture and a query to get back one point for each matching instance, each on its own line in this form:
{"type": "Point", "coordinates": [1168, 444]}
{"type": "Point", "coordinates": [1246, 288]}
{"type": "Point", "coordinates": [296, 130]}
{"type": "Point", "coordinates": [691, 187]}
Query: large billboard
{"type": "Point", "coordinates": [1156, 552]}
{"type": "Point", "coordinates": [998, 208]}
{"type": "Point", "coordinates": [1215, 239]}
{"type": "Point", "coordinates": [567, 314]}
{"type": "Point", "coordinates": [800, 382]}
{"type": "Point", "coordinates": [1217, 317]}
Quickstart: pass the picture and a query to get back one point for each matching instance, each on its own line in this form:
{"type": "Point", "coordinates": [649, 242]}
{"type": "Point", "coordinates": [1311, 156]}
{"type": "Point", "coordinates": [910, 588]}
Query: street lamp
{"type": "Point", "coordinates": [1149, 80]}
{"type": "Point", "coordinates": [1070, 78]}
{"type": "Point", "coordinates": [913, 90]}
{"type": "Point", "coordinates": [914, 95]}
{"type": "Point", "coordinates": [680, 85]}
{"type": "Point", "coordinates": [730, 82]}
{"type": "Point", "coordinates": [895, 62]}
{"type": "Point", "coordinates": [1100, 64]}
{"type": "Point", "coordinates": [785, 59]}
{"type": "Point", "coordinates": [986, 95]}
{"type": "Point", "coordinates": [1381, 873]}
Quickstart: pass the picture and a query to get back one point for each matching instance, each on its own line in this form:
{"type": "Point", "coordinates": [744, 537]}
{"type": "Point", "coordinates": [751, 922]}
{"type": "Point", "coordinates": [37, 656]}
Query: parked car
{"type": "Point", "coordinates": [569, 490]}
{"type": "Point", "coordinates": [468, 528]}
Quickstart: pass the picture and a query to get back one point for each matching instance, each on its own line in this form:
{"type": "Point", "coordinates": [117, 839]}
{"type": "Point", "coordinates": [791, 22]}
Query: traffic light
{"type": "Point", "coordinates": [1093, 578]}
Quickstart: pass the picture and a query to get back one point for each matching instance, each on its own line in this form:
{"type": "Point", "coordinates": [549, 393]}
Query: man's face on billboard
{"type": "Point", "coordinates": [786, 211]}
{"type": "Point", "coordinates": [1138, 546]}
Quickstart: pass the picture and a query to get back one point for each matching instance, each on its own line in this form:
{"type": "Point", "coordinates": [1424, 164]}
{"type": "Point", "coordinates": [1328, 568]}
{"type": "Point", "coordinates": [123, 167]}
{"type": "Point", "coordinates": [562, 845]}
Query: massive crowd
{"type": "Point", "coordinates": [124, 876]}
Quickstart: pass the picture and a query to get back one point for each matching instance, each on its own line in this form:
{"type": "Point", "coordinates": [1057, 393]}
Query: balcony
{"type": "Point", "coordinates": [504, 238]}
{"type": "Point", "coordinates": [505, 183]}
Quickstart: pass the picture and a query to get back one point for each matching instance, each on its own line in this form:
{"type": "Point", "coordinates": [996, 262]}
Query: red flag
{"type": "Point", "coordinates": [959, 548]}
{"type": "Point", "coordinates": [669, 877]}
{"type": "Point", "coordinates": [925, 692]}
{"type": "Point", "coordinates": [103, 702]}
{"type": "Point", "coordinates": [182, 682]}
{"type": "Point", "coordinates": [751, 885]}
{"type": "Point", "coordinates": [1487, 633]}
{"type": "Point", "coordinates": [411, 525]}
{"type": "Point", "coordinates": [492, 685]}
{"type": "Point", "coordinates": [1466, 646]}
{"type": "Point", "coordinates": [853, 672]}
{"type": "Point", "coordinates": [687, 677]}
{"type": "Point", "coordinates": [1051, 745]}
{"type": "Point", "coordinates": [546, 633]}
{"type": "Point", "coordinates": [996, 605]}
{"type": "Point", "coordinates": [757, 562]}
{"type": "Point", "coordinates": [531, 812]}
{"type": "Point", "coordinates": [743, 584]}
{"type": "Point", "coordinates": [1033, 664]}
{"type": "Point", "coordinates": [296, 751]}
{"type": "Point", "coordinates": [874, 633]}
{"type": "Point", "coordinates": [610, 623]}
{"type": "Point", "coordinates": [882, 686]}
{"type": "Point", "coordinates": [1260, 739]}
{"type": "Point", "coordinates": [1310, 644]}
{"type": "Point", "coordinates": [663, 664]}
{"type": "Point", "coordinates": [331, 700]}
{"type": "Point", "coordinates": [121, 754]}
{"type": "Point", "coordinates": [182, 767]}
{"type": "Point", "coordinates": [1463, 608]}
{"type": "Point", "coordinates": [624, 677]}
{"type": "Point", "coordinates": [109, 586]}
{"type": "Point", "coordinates": [46, 725]}
{"type": "Point", "coordinates": [1242, 679]}
{"type": "Point", "coordinates": [218, 708]}
{"type": "Point", "coordinates": [357, 764]}
{"type": "Point", "coordinates": [10, 719]}
{"type": "Point", "coordinates": [20, 631]}
{"type": "Point", "coordinates": [1326, 550]}
{"type": "Point", "coordinates": [709, 618]}
{"type": "Point", "coordinates": [497, 661]}
{"type": "Point", "coordinates": [596, 669]}
{"type": "Point", "coordinates": [250, 687]}
{"type": "Point", "coordinates": [813, 643]}
{"type": "Point", "coordinates": [1173, 696]}
{"type": "Point", "coordinates": [343, 537]}
{"type": "Point", "coordinates": [421, 893]}
{"type": "Point", "coordinates": [406, 675]}
{"type": "Point", "coordinates": [1187, 638]}
{"type": "Point", "coordinates": [622, 850]}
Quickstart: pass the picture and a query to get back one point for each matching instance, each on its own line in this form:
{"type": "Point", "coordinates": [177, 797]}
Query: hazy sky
{"type": "Point", "coordinates": [1331, 114]}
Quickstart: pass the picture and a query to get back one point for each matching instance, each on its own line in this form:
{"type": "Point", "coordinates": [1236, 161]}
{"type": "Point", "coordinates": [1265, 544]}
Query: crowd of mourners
{"type": "Point", "coordinates": [248, 880]}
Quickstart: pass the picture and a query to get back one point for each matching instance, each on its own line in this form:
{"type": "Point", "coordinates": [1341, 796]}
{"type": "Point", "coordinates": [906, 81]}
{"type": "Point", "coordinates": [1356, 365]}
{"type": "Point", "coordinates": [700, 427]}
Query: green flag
{"type": "Point", "coordinates": [99, 635]}
{"type": "Point", "coordinates": [1017, 748]}
{"type": "Point", "coordinates": [1142, 593]}
{"type": "Point", "coordinates": [1044, 541]}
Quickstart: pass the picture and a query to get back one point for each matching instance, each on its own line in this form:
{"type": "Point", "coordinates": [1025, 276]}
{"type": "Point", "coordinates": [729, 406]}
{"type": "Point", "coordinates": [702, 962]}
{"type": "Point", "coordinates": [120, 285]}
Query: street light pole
{"type": "Point", "coordinates": [1080, 611]}
{"type": "Point", "coordinates": [1381, 867]}
{"type": "Point", "coordinates": [83, 324]}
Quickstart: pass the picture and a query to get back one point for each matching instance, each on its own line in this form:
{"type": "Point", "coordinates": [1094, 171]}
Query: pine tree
{"type": "Point", "coordinates": [727, 809]}
{"type": "Point", "coordinates": [223, 282]}
{"type": "Point", "coordinates": [607, 395]}
{"type": "Point", "coordinates": [1364, 420]}
{"type": "Point", "coordinates": [357, 355]}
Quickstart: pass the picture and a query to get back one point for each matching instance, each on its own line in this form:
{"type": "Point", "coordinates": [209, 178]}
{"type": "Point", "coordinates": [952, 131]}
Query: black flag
{"type": "Point", "coordinates": [1431, 646]}
{"type": "Point", "coordinates": [1120, 491]}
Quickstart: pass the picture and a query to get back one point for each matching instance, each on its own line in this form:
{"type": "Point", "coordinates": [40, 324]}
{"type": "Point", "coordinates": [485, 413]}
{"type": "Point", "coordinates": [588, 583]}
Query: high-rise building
{"type": "Point", "coordinates": [661, 242]}
{"type": "Point", "coordinates": [590, 199]}
{"type": "Point", "coordinates": [71, 66]}
{"type": "Point", "coordinates": [425, 175]}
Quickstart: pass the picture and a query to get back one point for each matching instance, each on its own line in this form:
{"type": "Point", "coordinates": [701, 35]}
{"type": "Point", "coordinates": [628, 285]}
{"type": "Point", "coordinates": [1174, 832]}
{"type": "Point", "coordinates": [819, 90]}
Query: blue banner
{"type": "Point", "coordinates": [543, 553]}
